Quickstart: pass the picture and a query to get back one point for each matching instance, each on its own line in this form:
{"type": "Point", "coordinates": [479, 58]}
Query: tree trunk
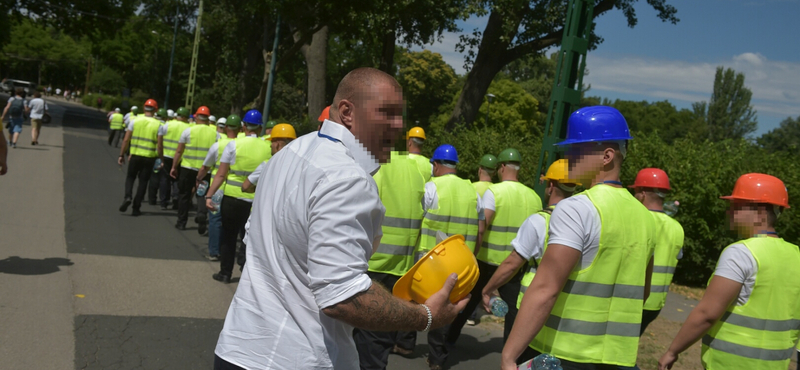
{"type": "Point", "coordinates": [488, 62]}
{"type": "Point", "coordinates": [248, 68]}
{"type": "Point", "coordinates": [387, 53]}
{"type": "Point", "coordinates": [316, 55]}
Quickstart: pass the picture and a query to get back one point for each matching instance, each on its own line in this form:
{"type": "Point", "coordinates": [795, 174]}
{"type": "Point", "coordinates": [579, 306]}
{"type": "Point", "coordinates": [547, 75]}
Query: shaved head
{"type": "Point", "coordinates": [369, 102]}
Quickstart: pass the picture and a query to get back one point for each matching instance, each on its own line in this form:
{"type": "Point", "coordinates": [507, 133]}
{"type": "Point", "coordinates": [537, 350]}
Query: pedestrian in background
{"type": "Point", "coordinates": [15, 109]}
{"type": "Point", "coordinates": [115, 130]}
{"type": "Point", "coordinates": [38, 108]}
{"type": "Point", "coordinates": [3, 154]}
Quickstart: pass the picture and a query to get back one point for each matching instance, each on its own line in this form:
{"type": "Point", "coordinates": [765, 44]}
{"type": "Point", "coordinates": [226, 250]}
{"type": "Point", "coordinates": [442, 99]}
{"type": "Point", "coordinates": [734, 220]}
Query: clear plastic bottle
{"type": "Point", "coordinates": [216, 200]}
{"type": "Point", "coordinates": [671, 208]}
{"type": "Point", "coordinates": [202, 188]}
{"type": "Point", "coordinates": [499, 306]}
{"type": "Point", "coordinates": [546, 361]}
{"type": "Point", "coordinates": [157, 165]}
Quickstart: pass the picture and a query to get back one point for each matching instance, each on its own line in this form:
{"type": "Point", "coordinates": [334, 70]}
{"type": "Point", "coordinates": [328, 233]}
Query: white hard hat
{"type": "Point", "coordinates": [221, 121]}
{"type": "Point", "coordinates": [134, 107]}
{"type": "Point", "coordinates": [212, 118]}
{"type": "Point", "coordinates": [170, 113]}
{"type": "Point", "coordinates": [116, 110]}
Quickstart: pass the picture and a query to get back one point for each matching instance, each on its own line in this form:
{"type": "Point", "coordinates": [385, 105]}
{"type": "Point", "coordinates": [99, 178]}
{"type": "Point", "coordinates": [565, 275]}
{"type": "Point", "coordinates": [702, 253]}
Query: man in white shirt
{"type": "Point", "coordinates": [305, 284]}
{"type": "Point", "coordinates": [37, 108]}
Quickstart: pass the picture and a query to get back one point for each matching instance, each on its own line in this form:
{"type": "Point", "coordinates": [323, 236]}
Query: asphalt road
{"type": "Point", "coordinates": [87, 287]}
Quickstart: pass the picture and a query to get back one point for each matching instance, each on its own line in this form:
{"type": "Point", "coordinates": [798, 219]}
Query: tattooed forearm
{"type": "Point", "coordinates": [376, 309]}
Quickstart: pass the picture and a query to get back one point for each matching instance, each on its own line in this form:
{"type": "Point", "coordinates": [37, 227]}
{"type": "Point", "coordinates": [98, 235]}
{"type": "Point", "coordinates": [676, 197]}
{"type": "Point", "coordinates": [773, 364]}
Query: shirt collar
{"type": "Point", "coordinates": [357, 150]}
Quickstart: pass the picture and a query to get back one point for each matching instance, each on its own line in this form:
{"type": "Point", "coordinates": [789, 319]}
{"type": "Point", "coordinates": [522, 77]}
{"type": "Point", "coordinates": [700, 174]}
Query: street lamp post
{"type": "Point", "coordinates": [489, 98]}
{"type": "Point", "coordinates": [171, 58]}
{"type": "Point", "coordinates": [155, 69]}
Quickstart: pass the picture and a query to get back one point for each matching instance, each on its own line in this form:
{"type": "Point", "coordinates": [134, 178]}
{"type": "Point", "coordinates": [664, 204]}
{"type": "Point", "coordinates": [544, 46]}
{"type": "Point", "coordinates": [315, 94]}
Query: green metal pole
{"type": "Point", "coordinates": [193, 69]}
{"type": "Point", "coordinates": [171, 58]}
{"type": "Point", "coordinates": [566, 96]}
{"type": "Point", "coordinates": [272, 63]}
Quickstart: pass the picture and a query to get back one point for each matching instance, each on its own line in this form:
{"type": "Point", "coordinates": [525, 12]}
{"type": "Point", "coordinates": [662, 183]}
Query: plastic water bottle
{"type": "Point", "coordinates": [671, 208]}
{"type": "Point", "coordinates": [202, 188]}
{"type": "Point", "coordinates": [546, 361]}
{"type": "Point", "coordinates": [499, 306]}
{"type": "Point", "coordinates": [157, 165]}
{"type": "Point", "coordinates": [216, 200]}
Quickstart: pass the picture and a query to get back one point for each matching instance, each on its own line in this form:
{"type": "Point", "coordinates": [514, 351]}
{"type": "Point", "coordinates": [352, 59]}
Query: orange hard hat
{"type": "Point", "coordinates": [429, 274]}
{"type": "Point", "coordinates": [203, 110]}
{"type": "Point", "coordinates": [151, 103]}
{"type": "Point", "coordinates": [651, 178]}
{"type": "Point", "coordinates": [326, 114]}
{"type": "Point", "coordinates": [760, 188]}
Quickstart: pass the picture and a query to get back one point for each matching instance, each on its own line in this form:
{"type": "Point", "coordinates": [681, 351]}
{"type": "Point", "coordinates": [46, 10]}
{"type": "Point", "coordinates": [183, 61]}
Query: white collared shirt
{"type": "Point", "coordinates": [312, 232]}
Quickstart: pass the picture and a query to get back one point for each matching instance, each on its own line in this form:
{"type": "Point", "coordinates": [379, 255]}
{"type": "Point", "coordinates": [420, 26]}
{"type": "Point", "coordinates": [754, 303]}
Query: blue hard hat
{"type": "Point", "coordinates": [445, 152]}
{"type": "Point", "coordinates": [252, 117]}
{"type": "Point", "coordinates": [596, 124]}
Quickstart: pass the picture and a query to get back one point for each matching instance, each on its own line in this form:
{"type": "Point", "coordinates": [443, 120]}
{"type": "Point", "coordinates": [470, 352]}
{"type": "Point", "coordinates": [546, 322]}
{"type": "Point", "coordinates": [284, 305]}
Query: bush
{"type": "Point", "coordinates": [109, 101]}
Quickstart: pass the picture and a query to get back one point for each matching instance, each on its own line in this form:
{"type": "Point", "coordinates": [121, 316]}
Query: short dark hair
{"type": "Point", "coordinates": [19, 91]}
{"type": "Point", "coordinates": [37, 94]}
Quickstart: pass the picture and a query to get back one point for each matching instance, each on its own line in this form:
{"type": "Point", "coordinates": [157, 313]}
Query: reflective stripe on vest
{"type": "Point", "coordinates": [201, 138]}
{"type": "Point", "coordinates": [170, 139]}
{"type": "Point", "coordinates": [481, 186]}
{"type": "Point", "coordinates": [423, 164]}
{"type": "Point", "coordinates": [513, 202]}
{"type": "Point", "coordinates": [401, 187]}
{"type": "Point", "coordinates": [669, 241]}
{"type": "Point", "coordinates": [117, 121]}
{"type": "Point", "coordinates": [597, 316]}
{"type": "Point", "coordinates": [762, 333]}
{"type": "Point", "coordinates": [456, 213]}
{"type": "Point", "coordinates": [528, 277]}
{"type": "Point", "coordinates": [250, 152]}
{"type": "Point", "coordinates": [144, 138]}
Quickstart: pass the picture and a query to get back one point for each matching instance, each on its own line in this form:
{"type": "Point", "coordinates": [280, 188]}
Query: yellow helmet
{"type": "Point", "coordinates": [417, 132]}
{"type": "Point", "coordinates": [283, 131]}
{"type": "Point", "coordinates": [428, 275]}
{"type": "Point", "coordinates": [559, 171]}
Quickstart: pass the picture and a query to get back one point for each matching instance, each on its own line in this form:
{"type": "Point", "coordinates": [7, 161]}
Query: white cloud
{"type": "Point", "coordinates": [775, 84]}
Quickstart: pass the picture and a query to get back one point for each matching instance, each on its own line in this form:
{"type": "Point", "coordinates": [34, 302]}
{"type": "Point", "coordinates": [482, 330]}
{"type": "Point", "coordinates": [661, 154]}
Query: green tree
{"type": "Point", "coordinates": [516, 28]}
{"type": "Point", "coordinates": [427, 81]}
{"type": "Point", "coordinates": [728, 113]}
{"type": "Point", "coordinates": [785, 138]}
{"type": "Point", "coordinates": [34, 50]}
{"type": "Point", "coordinates": [660, 117]}
{"type": "Point", "coordinates": [108, 81]}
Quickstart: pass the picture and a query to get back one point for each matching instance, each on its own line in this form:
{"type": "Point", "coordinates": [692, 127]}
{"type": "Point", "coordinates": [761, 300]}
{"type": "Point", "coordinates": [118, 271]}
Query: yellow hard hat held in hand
{"type": "Point", "coordinates": [429, 274]}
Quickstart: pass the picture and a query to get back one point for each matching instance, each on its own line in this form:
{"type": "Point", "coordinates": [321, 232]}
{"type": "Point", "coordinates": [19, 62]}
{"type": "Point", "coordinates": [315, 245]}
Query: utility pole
{"type": "Point", "coordinates": [272, 63]}
{"type": "Point", "coordinates": [88, 75]}
{"type": "Point", "coordinates": [193, 70]}
{"type": "Point", "coordinates": [171, 58]}
{"type": "Point", "coordinates": [568, 81]}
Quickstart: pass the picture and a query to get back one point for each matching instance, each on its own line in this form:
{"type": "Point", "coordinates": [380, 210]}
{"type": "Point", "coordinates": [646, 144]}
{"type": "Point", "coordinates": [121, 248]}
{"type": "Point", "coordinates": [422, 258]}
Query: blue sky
{"type": "Point", "coordinates": [660, 61]}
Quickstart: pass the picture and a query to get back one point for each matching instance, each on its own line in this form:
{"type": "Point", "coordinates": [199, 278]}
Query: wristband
{"type": "Point", "coordinates": [208, 197]}
{"type": "Point", "coordinates": [430, 318]}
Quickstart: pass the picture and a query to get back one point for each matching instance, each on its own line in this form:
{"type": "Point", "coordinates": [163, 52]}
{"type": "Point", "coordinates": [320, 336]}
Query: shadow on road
{"type": "Point", "coordinates": [470, 348]}
{"type": "Point", "coordinates": [31, 148]}
{"type": "Point", "coordinates": [27, 266]}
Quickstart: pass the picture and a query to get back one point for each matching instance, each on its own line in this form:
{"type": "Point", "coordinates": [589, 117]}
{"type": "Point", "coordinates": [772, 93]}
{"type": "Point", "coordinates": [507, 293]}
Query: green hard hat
{"type": "Point", "coordinates": [509, 155]}
{"type": "Point", "coordinates": [162, 112]}
{"type": "Point", "coordinates": [135, 110]}
{"type": "Point", "coordinates": [489, 161]}
{"type": "Point", "coordinates": [271, 124]}
{"type": "Point", "coordinates": [183, 112]}
{"type": "Point", "coordinates": [234, 121]}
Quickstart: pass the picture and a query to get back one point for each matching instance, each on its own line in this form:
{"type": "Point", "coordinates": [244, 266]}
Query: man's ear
{"type": "Point", "coordinates": [346, 111]}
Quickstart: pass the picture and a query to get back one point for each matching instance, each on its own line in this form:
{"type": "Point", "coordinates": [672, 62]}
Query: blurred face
{"type": "Point", "coordinates": [376, 121]}
{"type": "Point", "coordinates": [743, 216]}
{"type": "Point", "coordinates": [586, 160]}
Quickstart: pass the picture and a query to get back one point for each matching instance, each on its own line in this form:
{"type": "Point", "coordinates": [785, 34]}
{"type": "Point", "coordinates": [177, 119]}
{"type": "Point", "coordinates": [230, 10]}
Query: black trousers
{"type": "Point", "coordinates": [234, 216]}
{"type": "Point", "coordinates": [374, 346]}
{"type": "Point", "coordinates": [168, 187]}
{"type": "Point", "coordinates": [508, 292]}
{"type": "Point", "coordinates": [647, 317]}
{"type": "Point", "coordinates": [154, 185]}
{"type": "Point", "coordinates": [186, 182]}
{"type": "Point", "coordinates": [114, 136]}
{"type": "Point", "coordinates": [220, 364]}
{"type": "Point", "coordinates": [141, 168]}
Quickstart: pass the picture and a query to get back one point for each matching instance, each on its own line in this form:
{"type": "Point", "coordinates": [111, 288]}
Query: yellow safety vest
{"type": "Point", "coordinates": [534, 263]}
{"type": "Point", "coordinates": [144, 138]}
{"type": "Point", "coordinates": [457, 213]}
{"type": "Point", "coordinates": [400, 187]}
{"type": "Point", "coordinates": [481, 186]}
{"type": "Point", "coordinates": [222, 142]}
{"type": "Point", "coordinates": [514, 202]}
{"type": "Point", "coordinates": [170, 139]}
{"type": "Point", "coordinates": [250, 152]}
{"type": "Point", "coordinates": [669, 241]}
{"type": "Point", "coordinates": [424, 165]}
{"type": "Point", "coordinates": [598, 314]}
{"type": "Point", "coordinates": [117, 121]}
{"type": "Point", "coordinates": [762, 333]}
{"type": "Point", "coordinates": [201, 137]}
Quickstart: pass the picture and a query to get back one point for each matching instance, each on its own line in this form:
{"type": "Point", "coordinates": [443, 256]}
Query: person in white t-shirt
{"type": "Point", "coordinates": [38, 109]}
